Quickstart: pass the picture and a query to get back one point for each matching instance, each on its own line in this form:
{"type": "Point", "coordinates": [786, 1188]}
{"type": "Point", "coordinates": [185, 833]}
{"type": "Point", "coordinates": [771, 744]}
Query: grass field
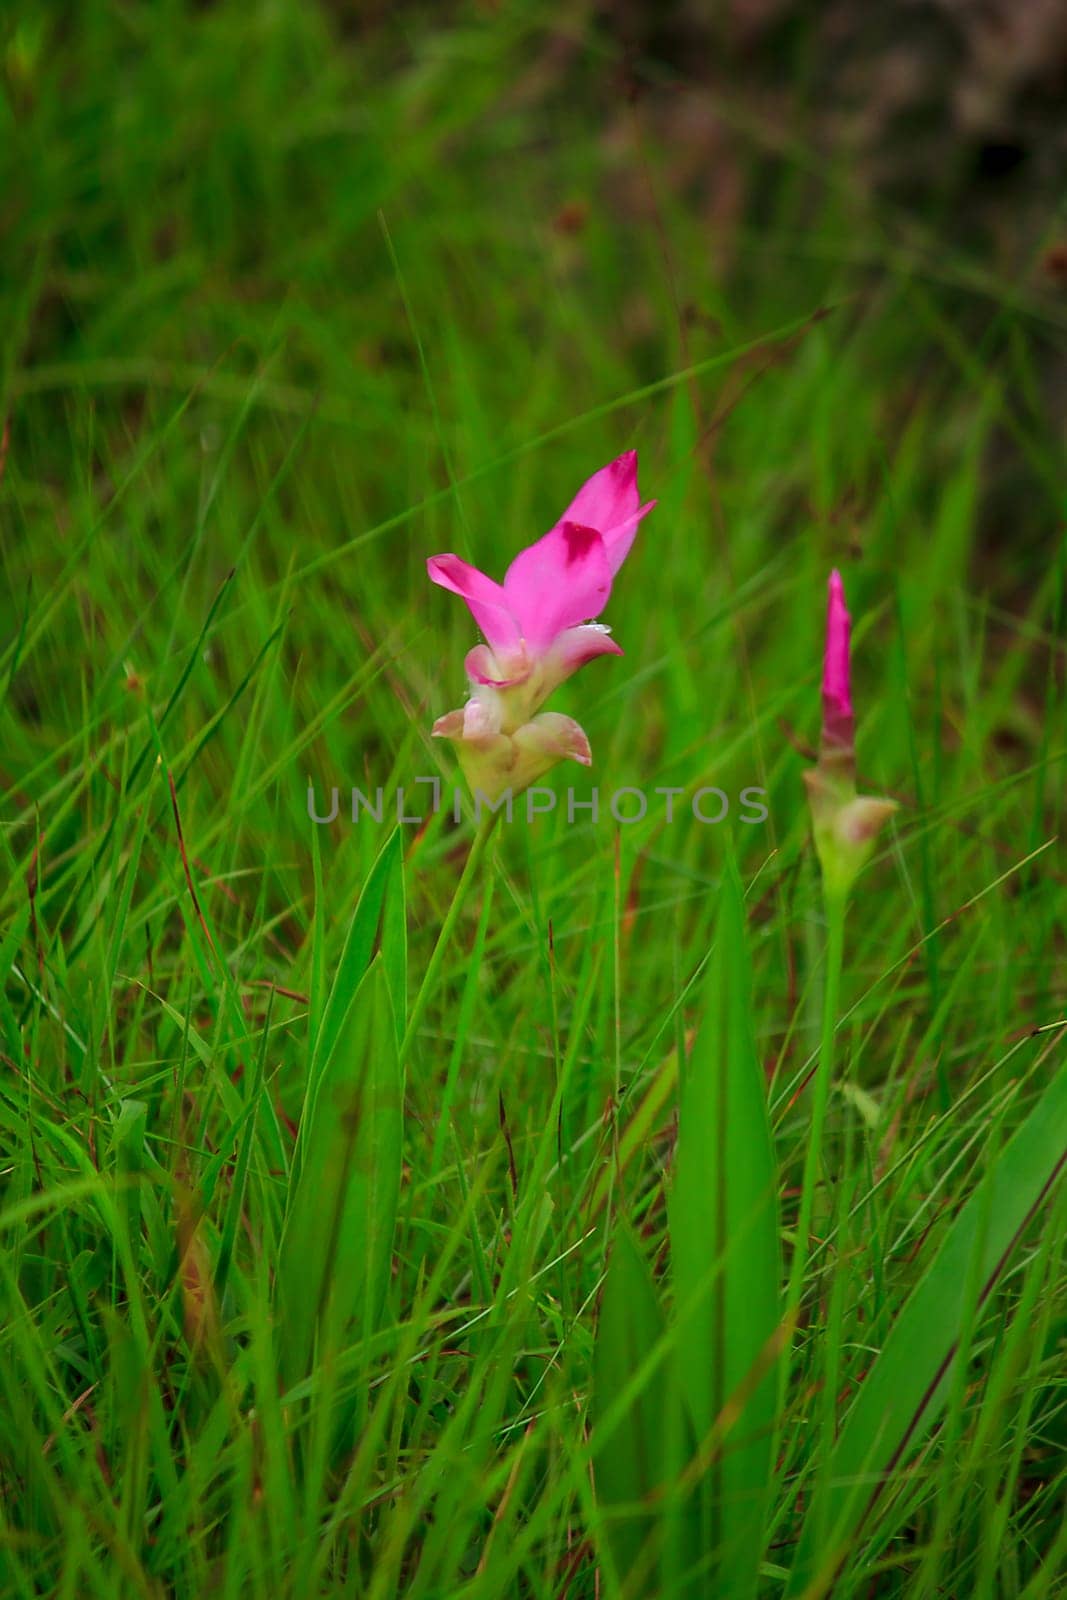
{"type": "Point", "coordinates": [293, 299]}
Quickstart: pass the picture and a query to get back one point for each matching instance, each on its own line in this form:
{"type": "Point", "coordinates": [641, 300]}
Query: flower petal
{"type": "Point", "coordinates": [860, 822]}
{"type": "Point", "coordinates": [539, 744]}
{"type": "Point", "coordinates": [609, 496]}
{"type": "Point", "coordinates": [617, 540]}
{"type": "Point", "coordinates": [563, 579]}
{"type": "Point", "coordinates": [609, 502]}
{"type": "Point", "coordinates": [572, 649]}
{"type": "Point", "coordinates": [482, 666]}
{"type": "Point", "coordinates": [556, 736]}
{"type": "Point", "coordinates": [484, 596]}
{"type": "Point", "coordinates": [477, 723]}
{"type": "Point", "coordinates": [450, 726]}
{"type": "Point", "coordinates": [481, 718]}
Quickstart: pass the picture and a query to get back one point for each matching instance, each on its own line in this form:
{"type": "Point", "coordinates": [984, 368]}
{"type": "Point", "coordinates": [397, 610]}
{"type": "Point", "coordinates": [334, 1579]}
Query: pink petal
{"type": "Point", "coordinates": [618, 540]}
{"type": "Point", "coordinates": [450, 726]}
{"type": "Point", "coordinates": [610, 503]}
{"type": "Point", "coordinates": [562, 580]}
{"type": "Point", "coordinates": [837, 713]}
{"type": "Point", "coordinates": [481, 719]}
{"type": "Point", "coordinates": [477, 722]}
{"type": "Point", "coordinates": [549, 738]}
{"type": "Point", "coordinates": [572, 649]}
{"type": "Point", "coordinates": [486, 599]}
{"type": "Point", "coordinates": [608, 497]}
{"type": "Point", "coordinates": [482, 666]}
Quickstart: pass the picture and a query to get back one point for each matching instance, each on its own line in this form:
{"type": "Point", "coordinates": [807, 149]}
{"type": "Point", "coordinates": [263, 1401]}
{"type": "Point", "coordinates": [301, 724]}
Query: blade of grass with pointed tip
{"type": "Point", "coordinates": [725, 1249]}
{"type": "Point", "coordinates": [650, 1532]}
{"type": "Point", "coordinates": [906, 1386]}
{"type": "Point", "coordinates": [395, 934]}
{"type": "Point", "coordinates": [351, 970]}
{"type": "Point", "coordinates": [336, 1251]}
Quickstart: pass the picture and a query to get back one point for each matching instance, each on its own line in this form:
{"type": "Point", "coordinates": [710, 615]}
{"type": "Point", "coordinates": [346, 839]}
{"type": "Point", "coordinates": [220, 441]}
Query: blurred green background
{"type": "Point", "coordinates": [297, 295]}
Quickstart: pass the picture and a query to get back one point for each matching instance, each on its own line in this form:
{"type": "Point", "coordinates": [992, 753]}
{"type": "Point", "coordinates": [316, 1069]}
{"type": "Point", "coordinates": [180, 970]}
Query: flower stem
{"type": "Point", "coordinates": [835, 938]}
{"type": "Point", "coordinates": [448, 928]}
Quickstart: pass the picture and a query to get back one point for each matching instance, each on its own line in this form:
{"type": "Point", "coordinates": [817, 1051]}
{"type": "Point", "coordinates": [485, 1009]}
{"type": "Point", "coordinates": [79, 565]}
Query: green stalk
{"type": "Point", "coordinates": [835, 939]}
{"type": "Point", "coordinates": [448, 928]}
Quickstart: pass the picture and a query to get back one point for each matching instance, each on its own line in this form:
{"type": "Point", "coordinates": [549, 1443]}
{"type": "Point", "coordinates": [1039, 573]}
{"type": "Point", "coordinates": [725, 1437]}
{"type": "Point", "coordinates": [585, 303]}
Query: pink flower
{"type": "Point", "coordinates": [537, 622]}
{"type": "Point", "coordinates": [539, 627]}
{"type": "Point", "coordinates": [837, 717]}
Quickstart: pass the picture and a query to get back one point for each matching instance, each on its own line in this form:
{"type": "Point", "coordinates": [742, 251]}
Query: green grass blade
{"type": "Point", "coordinates": [908, 1383]}
{"type": "Point", "coordinates": [725, 1249]}
{"type": "Point", "coordinates": [395, 933]}
{"type": "Point", "coordinates": [351, 970]}
{"type": "Point", "coordinates": [641, 1441]}
{"type": "Point", "coordinates": [335, 1255]}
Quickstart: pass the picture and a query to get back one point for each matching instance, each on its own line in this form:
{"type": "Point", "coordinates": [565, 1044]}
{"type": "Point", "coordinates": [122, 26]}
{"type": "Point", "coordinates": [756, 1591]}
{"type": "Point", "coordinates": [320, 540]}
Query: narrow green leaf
{"type": "Point", "coordinates": [395, 934]}
{"type": "Point", "coordinates": [336, 1251]}
{"type": "Point", "coordinates": [351, 970]}
{"type": "Point", "coordinates": [128, 882]}
{"type": "Point", "coordinates": [9, 948]}
{"type": "Point", "coordinates": [906, 1387]}
{"type": "Point", "coordinates": [641, 1442]}
{"type": "Point", "coordinates": [726, 1255]}
{"type": "Point", "coordinates": [127, 1143]}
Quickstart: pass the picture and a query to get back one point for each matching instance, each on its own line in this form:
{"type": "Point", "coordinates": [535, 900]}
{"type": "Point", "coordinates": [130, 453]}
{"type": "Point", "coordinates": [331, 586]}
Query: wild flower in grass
{"type": "Point", "coordinates": [539, 629]}
{"type": "Point", "coordinates": [845, 824]}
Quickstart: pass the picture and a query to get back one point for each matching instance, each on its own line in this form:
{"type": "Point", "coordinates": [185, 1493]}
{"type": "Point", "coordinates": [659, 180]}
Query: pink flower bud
{"type": "Point", "coordinates": [845, 824]}
{"type": "Point", "coordinates": [837, 717]}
